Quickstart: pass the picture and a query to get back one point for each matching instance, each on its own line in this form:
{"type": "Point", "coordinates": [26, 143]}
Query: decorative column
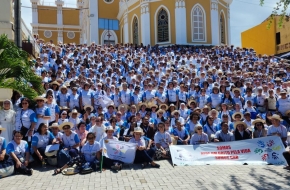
{"type": "Point", "coordinates": [59, 4]}
{"type": "Point", "coordinates": [126, 29]}
{"type": "Point", "coordinates": [34, 4]}
{"type": "Point", "coordinates": [180, 22]}
{"type": "Point", "coordinates": [81, 23]}
{"type": "Point", "coordinates": [60, 35]}
{"type": "Point", "coordinates": [215, 31]}
{"type": "Point", "coordinates": [145, 24]}
{"type": "Point", "coordinates": [229, 26]}
{"type": "Point", "coordinates": [94, 21]}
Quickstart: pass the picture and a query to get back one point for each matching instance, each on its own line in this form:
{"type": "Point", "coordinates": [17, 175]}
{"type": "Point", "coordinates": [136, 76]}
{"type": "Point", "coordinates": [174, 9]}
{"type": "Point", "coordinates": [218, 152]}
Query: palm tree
{"type": "Point", "coordinates": [15, 70]}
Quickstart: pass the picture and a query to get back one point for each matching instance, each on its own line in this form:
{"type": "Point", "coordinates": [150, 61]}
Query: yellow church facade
{"type": "Point", "coordinates": [163, 22]}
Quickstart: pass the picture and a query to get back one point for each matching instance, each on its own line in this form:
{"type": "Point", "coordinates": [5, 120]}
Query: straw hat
{"type": "Point", "coordinates": [40, 98]}
{"type": "Point", "coordinates": [111, 105]}
{"type": "Point", "coordinates": [175, 111]}
{"type": "Point", "coordinates": [56, 83]}
{"type": "Point", "coordinates": [70, 171]}
{"type": "Point", "coordinates": [142, 104]}
{"type": "Point", "coordinates": [172, 105]}
{"type": "Point", "coordinates": [236, 89]}
{"type": "Point", "coordinates": [275, 116]}
{"type": "Point", "coordinates": [63, 87]}
{"type": "Point", "coordinates": [240, 123]}
{"type": "Point", "coordinates": [89, 106]}
{"type": "Point", "coordinates": [74, 111]}
{"type": "Point", "coordinates": [166, 106]}
{"type": "Point", "coordinates": [237, 113]}
{"type": "Point", "coordinates": [191, 101]}
{"type": "Point", "coordinates": [2, 129]}
{"type": "Point", "coordinates": [65, 124]}
{"type": "Point", "coordinates": [123, 105]}
{"type": "Point", "coordinates": [110, 128]}
{"type": "Point", "coordinates": [64, 108]}
{"type": "Point", "coordinates": [151, 105]}
{"type": "Point", "coordinates": [258, 121]}
{"type": "Point", "coordinates": [205, 107]}
{"type": "Point", "coordinates": [138, 130]}
{"type": "Point", "coordinates": [160, 111]}
{"type": "Point", "coordinates": [54, 125]}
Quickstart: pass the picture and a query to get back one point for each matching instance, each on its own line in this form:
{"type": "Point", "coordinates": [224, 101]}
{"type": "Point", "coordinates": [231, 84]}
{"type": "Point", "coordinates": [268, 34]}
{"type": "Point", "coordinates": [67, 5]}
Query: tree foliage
{"type": "Point", "coordinates": [15, 70]}
{"type": "Point", "coordinates": [281, 10]}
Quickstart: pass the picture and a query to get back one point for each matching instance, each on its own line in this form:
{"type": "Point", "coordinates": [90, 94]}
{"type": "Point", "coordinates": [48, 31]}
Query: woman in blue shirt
{"type": "Point", "coordinates": [25, 119]}
{"type": "Point", "coordinates": [40, 140]}
{"type": "Point", "coordinates": [70, 139]}
{"type": "Point", "coordinates": [18, 151]}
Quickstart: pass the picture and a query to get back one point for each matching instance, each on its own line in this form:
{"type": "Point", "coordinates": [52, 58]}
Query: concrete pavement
{"type": "Point", "coordinates": [133, 177]}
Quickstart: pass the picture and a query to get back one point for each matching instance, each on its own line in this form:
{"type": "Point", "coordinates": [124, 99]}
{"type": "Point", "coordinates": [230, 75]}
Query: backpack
{"type": "Point", "coordinates": [63, 158]}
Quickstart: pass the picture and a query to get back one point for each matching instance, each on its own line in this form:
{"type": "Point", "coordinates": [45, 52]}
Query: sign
{"type": "Point", "coordinates": [118, 150]}
{"type": "Point", "coordinates": [260, 151]}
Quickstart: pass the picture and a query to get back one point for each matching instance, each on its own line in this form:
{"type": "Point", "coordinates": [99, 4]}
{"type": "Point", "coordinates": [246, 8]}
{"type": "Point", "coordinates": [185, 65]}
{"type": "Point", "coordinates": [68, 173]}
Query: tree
{"type": "Point", "coordinates": [15, 70]}
{"type": "Point", "coordinates": [281, 10]}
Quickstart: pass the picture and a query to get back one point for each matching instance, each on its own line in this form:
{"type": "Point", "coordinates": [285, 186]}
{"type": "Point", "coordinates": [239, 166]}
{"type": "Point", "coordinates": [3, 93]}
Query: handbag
{"type": "Point", "coordinates": [6, 168]}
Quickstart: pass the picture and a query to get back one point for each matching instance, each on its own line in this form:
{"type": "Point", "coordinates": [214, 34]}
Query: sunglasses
{"type": "Point", "coordinates": [98, 120]}
{"type": "Point", "coordinates": [65, 128]}
{"type": "Point", "coordinates": [90, 138]}
{"type": "Point", "coordinates": [24, 103]}
{"type": "Point", "coordinates": [199, 129]}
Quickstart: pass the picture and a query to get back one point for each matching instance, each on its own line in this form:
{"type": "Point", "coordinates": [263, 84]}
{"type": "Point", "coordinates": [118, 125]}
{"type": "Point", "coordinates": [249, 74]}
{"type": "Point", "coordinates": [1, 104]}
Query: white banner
{"type": "Point", "coordinates": [266, 150]}
{"type": "Point", "coordinates": [119, 150]}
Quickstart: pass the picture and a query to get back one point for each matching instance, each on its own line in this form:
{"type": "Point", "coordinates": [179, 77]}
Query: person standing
{"type": "Point", "coordinates": [7, 120]}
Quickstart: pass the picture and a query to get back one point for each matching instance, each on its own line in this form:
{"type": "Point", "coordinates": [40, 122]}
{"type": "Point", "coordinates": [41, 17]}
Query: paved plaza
{"type": "Point", "coordinates": [167, 177]}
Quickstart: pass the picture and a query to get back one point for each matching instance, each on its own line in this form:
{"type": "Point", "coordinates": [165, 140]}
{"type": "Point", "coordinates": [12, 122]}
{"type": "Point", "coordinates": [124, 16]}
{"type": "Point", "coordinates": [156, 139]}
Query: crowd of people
{"type": "Point", "coordinates": [154, 97]}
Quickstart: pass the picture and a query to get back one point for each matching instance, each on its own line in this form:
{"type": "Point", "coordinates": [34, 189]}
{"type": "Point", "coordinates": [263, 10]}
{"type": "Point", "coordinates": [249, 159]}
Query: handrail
{"type": "Point", "coordinates": [29, 36]}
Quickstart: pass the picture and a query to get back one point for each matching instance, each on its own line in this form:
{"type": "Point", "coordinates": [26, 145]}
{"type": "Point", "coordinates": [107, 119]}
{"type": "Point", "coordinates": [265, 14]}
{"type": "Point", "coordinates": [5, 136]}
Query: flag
{"type": "Point", "coordinates": [119, 150]}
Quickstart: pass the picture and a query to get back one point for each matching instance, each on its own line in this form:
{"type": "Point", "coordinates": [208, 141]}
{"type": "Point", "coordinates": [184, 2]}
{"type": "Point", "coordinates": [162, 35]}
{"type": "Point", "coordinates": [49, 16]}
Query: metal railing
{"type": "Point", "coordinates": [70, 5]}
{"type": "Point", "coordinates": [29, 38]}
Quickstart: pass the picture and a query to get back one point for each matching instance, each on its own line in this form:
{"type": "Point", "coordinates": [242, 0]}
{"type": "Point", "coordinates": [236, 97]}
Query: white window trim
{"type": "Point", "coordinates": [192, 24]}
{"type": "Point", "coordinates": [156, 24]}
{"type": "Point", "coordinates": [226, 32]}
{"type": "Point", "coordinates": [112, 32]}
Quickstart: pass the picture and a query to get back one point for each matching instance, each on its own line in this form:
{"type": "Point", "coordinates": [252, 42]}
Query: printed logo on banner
{"type": "Point", "coordinates": [119, 150]}
{"type": "Point", "coordinates": [268, 149]}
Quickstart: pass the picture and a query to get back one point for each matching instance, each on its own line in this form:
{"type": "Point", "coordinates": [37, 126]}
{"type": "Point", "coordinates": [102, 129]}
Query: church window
{"type": "Point", "coordinates": [162, 26]}
{"type": "Point", "coordinates": [135, 31]}
{"type": "Point", "coordinates": [222, 29]}
{"type": "Point", "coordinates": [198, 22]}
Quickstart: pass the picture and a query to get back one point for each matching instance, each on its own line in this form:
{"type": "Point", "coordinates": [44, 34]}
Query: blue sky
{"type": "Point", "coordinates": [244, 15]}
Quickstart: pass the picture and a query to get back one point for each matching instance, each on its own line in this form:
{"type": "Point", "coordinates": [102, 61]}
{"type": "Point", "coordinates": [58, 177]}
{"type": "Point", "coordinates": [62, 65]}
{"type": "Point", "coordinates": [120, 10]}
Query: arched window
{"type": "Point", "coordinates": [198, 23]}
{"type": "Point", "coordinates": [222, 29]}
{"type": "Point", "coordinates": [162, 25]}
{"type": "Point", "coordinates": [135, 31]}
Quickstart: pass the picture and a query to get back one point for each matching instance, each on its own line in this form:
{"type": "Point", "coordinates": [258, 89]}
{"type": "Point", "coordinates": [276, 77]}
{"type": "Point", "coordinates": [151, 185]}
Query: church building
{"type": "Point", "coordinates": [163, 22]}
